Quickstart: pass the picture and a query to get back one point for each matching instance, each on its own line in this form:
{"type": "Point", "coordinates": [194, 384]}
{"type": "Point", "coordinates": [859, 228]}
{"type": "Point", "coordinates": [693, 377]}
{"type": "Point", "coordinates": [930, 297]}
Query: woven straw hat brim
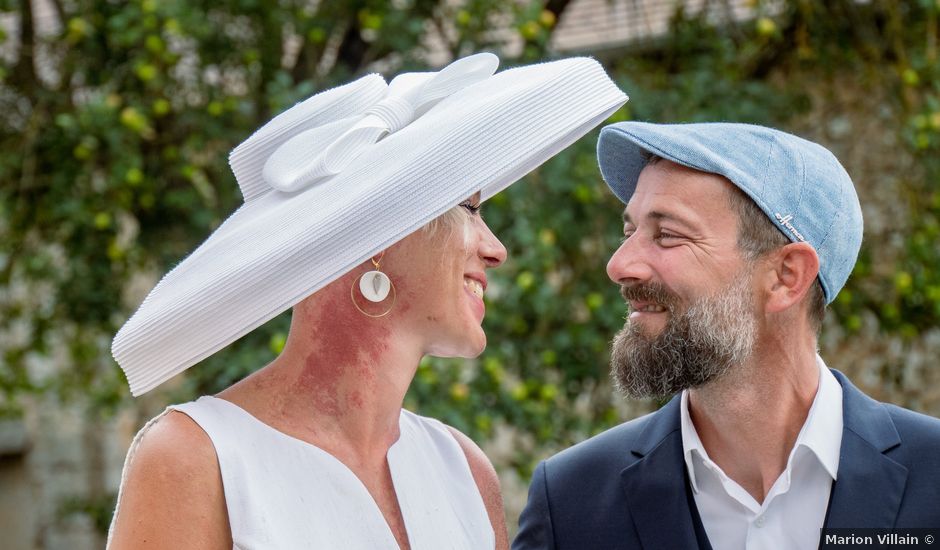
{"type": "Point", "coordinates": [279, 248]}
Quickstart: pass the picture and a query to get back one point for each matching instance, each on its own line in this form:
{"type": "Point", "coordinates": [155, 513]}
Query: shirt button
{"type": "Point", "coordinates": [759, 521]}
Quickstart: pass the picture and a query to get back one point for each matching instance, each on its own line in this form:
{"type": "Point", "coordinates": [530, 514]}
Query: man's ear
{"type": "Point", "coordinates": [791, 272]}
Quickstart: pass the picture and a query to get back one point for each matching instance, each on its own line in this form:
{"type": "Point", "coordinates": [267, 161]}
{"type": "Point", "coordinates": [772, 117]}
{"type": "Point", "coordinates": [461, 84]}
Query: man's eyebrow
{"type": "Point", "coordinates": [658, 216]}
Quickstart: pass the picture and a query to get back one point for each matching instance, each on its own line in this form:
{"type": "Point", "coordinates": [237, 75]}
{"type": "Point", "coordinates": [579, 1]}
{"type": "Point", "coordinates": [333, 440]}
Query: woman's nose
{"type": "Point", "coordinates": [491, 250]}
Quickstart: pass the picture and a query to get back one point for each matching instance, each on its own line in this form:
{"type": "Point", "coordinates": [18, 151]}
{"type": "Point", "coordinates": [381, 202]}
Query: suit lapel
{"type": "Point", "coordinates": [869, 485]}
{"type": "Point", "coordinates": [655, 484]}
{"type": "Point", "coordinates": [867, 493]}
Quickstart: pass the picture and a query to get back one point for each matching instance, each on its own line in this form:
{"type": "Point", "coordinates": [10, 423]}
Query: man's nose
{"type": "Point", "coordinates": [629, 263]}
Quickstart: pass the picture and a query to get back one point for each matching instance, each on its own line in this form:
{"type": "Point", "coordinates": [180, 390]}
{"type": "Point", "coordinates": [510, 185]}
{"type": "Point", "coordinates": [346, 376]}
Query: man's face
{"type": "Point", "coordinates": [690, 293]}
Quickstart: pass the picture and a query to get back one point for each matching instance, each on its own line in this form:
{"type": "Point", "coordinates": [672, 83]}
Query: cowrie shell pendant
{"type": "Point", "coordinates": [374, 286]}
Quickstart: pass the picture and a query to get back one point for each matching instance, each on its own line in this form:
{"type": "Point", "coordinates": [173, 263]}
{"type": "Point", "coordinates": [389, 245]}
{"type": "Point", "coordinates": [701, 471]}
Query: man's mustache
{"type": "Point", "coordinates": [653, 292]}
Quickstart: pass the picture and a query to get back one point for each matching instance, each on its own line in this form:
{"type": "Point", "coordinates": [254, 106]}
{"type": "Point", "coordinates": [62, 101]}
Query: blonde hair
{"type": "Point", "coordinates": [450, 221]}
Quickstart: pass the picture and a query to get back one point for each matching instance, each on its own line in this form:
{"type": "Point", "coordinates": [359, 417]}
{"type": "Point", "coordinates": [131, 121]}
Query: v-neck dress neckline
{"type": "Point", "coordinates": [340, 468]}
{"type": "Point", "coordinates": [283, 492]}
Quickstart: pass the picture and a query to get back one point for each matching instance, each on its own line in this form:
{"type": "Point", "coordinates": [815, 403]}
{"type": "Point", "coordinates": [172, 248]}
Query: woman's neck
{"type": "Point", "coordinates": [339, 382]}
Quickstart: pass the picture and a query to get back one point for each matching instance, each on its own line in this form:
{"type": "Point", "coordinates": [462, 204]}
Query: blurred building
{"type": "Point", "coordinates": [589, 26]}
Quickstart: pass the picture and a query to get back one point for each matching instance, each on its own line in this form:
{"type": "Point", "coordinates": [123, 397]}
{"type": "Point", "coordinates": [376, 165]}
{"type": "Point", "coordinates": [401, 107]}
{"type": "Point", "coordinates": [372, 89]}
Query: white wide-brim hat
{"type": "Point", "coordinates": [343, 175]}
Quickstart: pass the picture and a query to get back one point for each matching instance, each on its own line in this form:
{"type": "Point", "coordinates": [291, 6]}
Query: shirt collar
{"type": "Point", "coordinates": [690, 440]}
{"type": "Point", "coordinates": [821, 433]}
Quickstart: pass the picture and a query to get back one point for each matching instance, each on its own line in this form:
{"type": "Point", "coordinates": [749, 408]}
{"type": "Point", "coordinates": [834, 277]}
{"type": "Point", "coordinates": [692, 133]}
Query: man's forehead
{"type": "Point", "coordinates": [669, 191]}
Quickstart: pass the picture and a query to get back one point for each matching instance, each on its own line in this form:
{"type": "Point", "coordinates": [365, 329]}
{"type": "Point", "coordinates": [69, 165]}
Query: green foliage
{"type": "Point", "coordinates": [113, 166]}
{"type": "Point", "coordinates": [98, 509]}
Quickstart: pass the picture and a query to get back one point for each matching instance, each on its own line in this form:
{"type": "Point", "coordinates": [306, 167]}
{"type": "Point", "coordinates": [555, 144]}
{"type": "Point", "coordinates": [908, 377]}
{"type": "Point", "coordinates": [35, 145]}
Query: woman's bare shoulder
{"type": "Point", "coordinates": [171, 494]}
{"type": "Point", "coordinates": [174, 435]}
{"type": "Point", "coordinates": [487, 482]}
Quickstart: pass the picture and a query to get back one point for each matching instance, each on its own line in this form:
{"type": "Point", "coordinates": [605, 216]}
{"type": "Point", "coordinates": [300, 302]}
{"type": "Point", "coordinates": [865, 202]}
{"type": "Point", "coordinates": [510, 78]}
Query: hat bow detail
{"type": "Point", "coordinates": [295, 165]}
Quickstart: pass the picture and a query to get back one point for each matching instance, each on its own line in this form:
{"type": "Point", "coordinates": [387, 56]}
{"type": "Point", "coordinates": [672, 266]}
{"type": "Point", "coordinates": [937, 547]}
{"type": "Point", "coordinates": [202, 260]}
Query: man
{"type": "Point", "coordinates": [736, 238]}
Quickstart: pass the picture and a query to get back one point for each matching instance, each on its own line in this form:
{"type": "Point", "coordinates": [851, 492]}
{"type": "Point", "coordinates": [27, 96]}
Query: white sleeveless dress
{"type": "Point", "coordinates": [284, 493]}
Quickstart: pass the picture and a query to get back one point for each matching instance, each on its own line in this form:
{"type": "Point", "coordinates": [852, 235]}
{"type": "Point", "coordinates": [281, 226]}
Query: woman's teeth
{"type": "Point", "coordinates": [476, 287]}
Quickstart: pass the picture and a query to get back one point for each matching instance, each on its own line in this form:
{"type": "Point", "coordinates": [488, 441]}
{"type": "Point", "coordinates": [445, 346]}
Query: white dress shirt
{"type": "Point", "coordinates": [793, 512]}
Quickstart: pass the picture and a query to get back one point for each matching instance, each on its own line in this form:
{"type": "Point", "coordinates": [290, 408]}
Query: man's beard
{"type": "Point", "coordinates": [697, 346]}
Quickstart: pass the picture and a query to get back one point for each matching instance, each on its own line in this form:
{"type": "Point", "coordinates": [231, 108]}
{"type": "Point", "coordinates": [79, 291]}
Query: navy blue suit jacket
{"type": "Point", "coordinates": [626, 488]}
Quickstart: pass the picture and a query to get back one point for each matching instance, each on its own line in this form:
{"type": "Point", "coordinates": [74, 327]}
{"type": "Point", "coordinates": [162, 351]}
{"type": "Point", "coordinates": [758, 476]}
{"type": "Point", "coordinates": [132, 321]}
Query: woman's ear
{"type": "Point", "coordinates": [791, 272]}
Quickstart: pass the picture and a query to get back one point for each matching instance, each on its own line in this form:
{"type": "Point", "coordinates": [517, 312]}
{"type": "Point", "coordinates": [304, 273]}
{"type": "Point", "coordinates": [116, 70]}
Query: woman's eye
{"type": "Point", "coordinates": [472, 208]}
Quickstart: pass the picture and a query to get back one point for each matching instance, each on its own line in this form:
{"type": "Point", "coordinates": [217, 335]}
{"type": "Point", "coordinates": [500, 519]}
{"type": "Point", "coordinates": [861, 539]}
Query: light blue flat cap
{"type": "Point", "coordinates": [800, 185]}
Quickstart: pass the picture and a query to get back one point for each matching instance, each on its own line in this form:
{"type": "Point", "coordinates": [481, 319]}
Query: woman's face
{"type": "Point", "coordinates": [440, 276]}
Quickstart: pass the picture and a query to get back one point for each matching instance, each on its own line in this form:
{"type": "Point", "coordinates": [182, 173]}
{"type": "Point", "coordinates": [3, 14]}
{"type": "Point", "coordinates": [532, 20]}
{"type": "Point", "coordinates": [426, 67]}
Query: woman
{"type": "Point", "coordinates": [342, 220]}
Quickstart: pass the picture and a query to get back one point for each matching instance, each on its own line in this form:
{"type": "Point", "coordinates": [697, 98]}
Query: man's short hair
{"type": "Point", "coordinates": [757, 235]}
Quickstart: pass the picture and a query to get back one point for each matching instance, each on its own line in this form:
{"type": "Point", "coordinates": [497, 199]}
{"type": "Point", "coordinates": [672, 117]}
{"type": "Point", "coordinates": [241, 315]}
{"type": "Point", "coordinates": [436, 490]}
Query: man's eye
{"type": "Point", "coordinates": [664, 236]}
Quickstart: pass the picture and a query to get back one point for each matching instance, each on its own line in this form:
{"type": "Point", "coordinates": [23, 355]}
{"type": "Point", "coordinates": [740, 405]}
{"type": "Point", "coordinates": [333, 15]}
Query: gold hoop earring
{"type": "Point", "coordinates": [375, 286]}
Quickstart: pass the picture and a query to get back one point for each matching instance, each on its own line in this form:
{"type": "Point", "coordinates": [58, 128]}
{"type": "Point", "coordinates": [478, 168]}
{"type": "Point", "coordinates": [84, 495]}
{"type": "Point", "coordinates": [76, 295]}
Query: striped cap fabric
{"type": "Point", "coordinates": [281, 246]}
